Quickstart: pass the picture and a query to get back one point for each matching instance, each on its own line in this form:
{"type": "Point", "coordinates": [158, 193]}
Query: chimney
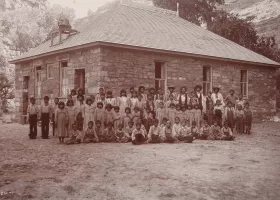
{"type": "Point", "coordinates": [178, 5]}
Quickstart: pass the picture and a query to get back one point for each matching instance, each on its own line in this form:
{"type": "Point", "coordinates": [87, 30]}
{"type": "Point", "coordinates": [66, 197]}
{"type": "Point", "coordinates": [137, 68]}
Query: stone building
{"type": "Point", "coordinates": [130, 45]}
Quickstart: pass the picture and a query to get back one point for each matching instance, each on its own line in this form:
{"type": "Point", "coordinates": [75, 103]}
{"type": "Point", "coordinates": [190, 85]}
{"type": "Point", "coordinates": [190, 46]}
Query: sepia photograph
{"type": "Point", "coordinates": [140, 99]}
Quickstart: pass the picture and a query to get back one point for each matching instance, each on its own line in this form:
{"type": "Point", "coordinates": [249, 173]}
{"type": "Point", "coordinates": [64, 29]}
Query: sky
{"type": "Point", "coordinates": [81, 6]}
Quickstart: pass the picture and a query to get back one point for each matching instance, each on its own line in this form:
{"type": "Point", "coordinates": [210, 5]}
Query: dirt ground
{"type": "Point", "coordinates": [248, 168]}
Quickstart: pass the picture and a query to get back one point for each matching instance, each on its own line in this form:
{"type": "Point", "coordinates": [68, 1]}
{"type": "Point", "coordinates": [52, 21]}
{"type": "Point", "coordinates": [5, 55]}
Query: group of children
{"type": "Point", "coordinates": [141, 117]}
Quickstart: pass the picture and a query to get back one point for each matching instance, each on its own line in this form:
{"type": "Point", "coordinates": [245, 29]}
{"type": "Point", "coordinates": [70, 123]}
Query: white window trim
{"type": "Point", "coordinates": [164, 65]}
{"type": "Point", "coordinates": [211, 79]}
{"type": "Point", "coordinates": [247, 83]}
{"type": "Point", "coordinates": [36, 81]}
{"type": "Point", "coordinates": [48, 65]}
{"type": "Point", "coordinates": [61, 80]}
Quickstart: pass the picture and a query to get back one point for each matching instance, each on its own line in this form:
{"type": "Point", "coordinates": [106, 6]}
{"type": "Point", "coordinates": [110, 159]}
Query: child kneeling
{"type": "Point", "coordinates": [75, 136]}
{"type": "Point", "coordinates": [90, 134]}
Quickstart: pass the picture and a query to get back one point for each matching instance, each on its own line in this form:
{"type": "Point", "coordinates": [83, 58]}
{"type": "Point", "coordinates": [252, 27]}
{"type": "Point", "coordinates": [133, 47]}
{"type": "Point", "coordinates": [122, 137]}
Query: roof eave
{"type": "Point", "coordinates": [98, 43]}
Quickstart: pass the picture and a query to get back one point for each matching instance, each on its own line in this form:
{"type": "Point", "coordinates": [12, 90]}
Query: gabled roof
{"type": "Point", "coordinates": [151, 28]}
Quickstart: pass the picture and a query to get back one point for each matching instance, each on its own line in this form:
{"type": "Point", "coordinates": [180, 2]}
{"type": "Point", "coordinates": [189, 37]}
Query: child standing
{"type": "Point", "coordinates": [110, 99]}
{"type": "Point", "coordinates": [168, 133]}
{"type": "Point", "coordinates": [127, 117]}
{"type": "Point", "coordinates": [133, 100]}
{"type": "Point", "coordinates": [209, 109]}
{"type": "Point", "coordinates": [142, 93]}
{"type": "Point", "coordinates": [75, 135]}
{"type": "Point", "coordinates": [54, 107]}
{"type": "Point", "coordinates": [240, 101]}
{"type": "Point", "coordinates": [136, 115]}
{"type": "Point", "coordinates": [179, 113]}
{"type": "Point", "coordinates": [184, 133]}
{"type": "Point", "coordinates": [90, 134]}
{"type": "Point", "coordinates": [161, 112]}
{"type": "Point", "coordinates": [190, 114]}
{"type": "Point", "coordinates": [150, 104]}
{"type": "Point", "coordinates": [74, 96]}
{"type": "Point", "coordinates": [138, 135]}
{"type": "Point", "coordinates": [61, 118]}
{"type": "Point", "coordinates": [109, 133]}
{"type": "Point", "coordinates": [148, 119]}
{"type": "Point", "coordinates": [71, 115]}
{"type": "Point", "coordinates": [248, 118]}
{"type": "Point", "coordinates": [154, 135]}
{"type": "Point", "coordinates": [98, 95]}
{"type": "Point", "coordinates": [80, 112]}
{"type": "Point", "coordinates": [108, 115]}
{"type": "Point", "coordinates": [117, 117]}
{"type": "Point", "coordinates": [123, 102]}
{"type": "Point", "coordinates": [215, 132]}
{"type": "Point", "coordinates": [218, 112]}
{"type": "Point", "coordinates": [240, 118]}
{"type": "Point", "coordinates": [120, 134]}
{"type": "Point", "coordinates": [226, 132]}
{"type": "Point", "coordinates": [32, 117]}
{"type": "Point", "coordinates": [160, 100]}
{"type": "Point", "coordinates": [230, 114]}
{"type": "Point", "coordinates": [99, 131]}
{"type": "Point", "coordinates": [171, 100]}
{"type": "Point", "coordinates": [171, 113]}
{"type": "Point", "coordinates": [99, 114]}
{"type": "Point", "coordinates": [197, 115]}
{"type": "Point", "coordinates": [88, 113]}
{"type": "Point", "coordinates": [45, 115]}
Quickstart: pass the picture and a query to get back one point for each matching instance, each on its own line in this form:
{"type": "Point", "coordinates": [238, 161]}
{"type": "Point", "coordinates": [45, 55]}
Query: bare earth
{"type": "Point", "coordinates": [248, 168]}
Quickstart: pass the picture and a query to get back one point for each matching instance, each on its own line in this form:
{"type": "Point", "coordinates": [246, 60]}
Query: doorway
{"type": "Point", "coordinates": [80, 79]}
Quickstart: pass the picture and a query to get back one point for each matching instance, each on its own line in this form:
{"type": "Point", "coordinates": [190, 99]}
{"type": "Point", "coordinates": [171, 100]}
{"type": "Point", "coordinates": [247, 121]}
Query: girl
{"type": "Point", "coordinates": [99, 131]}
{"type": "Point", "coordinates": [183, 97]}
{"type": "Point", "coordinates": [216, 95]}
{"type": "Point", "coordinates": [226, 132]}
{"type": "Point", "coordinates": [73, 96]}
{"type": "Point", "coordinates": [190, 114]}
{"type": "Point", "coordinates": [148, 119]}
{"type": "Point", "coordinates": [194, 130]}
{"type": "Point", "coordinates": [240, 101]}
{"type": "Point", "coordinates": [138, 136]}
{"type": "Point", "coordinates": [168, 134]}
{"type": "Point", "coordinates": [160, 114]}
{"type": "Point", "coordinates": [136, 115]}
{"type": "Point", "coordinates": [150, 104]}
{"type": "Point", "coordinates": [80, 112]}
{"type": "Point", "coordinates": [98, 95]}
{"type": "Point", "coordinates": [184, 133]}
{"type": "Point", "coordinates": [90, 134]}
{"type": "Point", "coordinates": [231, 98]}
{"type": "Point", "coordinates": [248, 118]}
{"type": "Point", "coordinates": [75, 135]}
{"type": "Point", "coordinates": [129, 129]}
{"type": "Point", "coordinates": [230, 114]}
{"type": "Point", "coordinates": [152, 92]}
{"type": "Point", "coordinates": [108, 115]}
{"type": "Point", "coordinates": [179, 113]}
{"type": "Point", "coordinates": [154, 135]}
{"type": "Point", "coordinates": [176, 127]}
{"type": "Point", "coordinates": [171, 113]}
{"type": "Point", "coordinates": [109, 133]}
{"type": "Point", "coordinates": [240, 118]}
{"type": "Point", "coordinates": [218, 112]}
{"type": "Point", "coordinates": [133, 100]}
{"type": "Point", "coordinates": [110, 99]}
{"type": "Point", "coordinates": [141, 91]}
{"type": "Point", "coordinates": [102, 100]}
{"type": "Point", "coordinates": [198, 95]}
{"type": "Point", "coordinates": [215, 132]}
{"type": "Point", "coordinates": [160, 99]}
{"type": "Point", "coordinates": [141, 103]}
{"type": "Point", "coordinates": [71, 115]}
{"type": "Point", "coordinates": [61, 119]}
{"type": "Point", "coordinates": [99, 114]}
{"type": "Point", "coordinates": [55, 106]}
{"type": "Point", "coordinates": [127, 117]}
{"type": "Point", "coordinates": [197, 115]}
{"type": "Point", "coordinates": [205, 131]}
{"type": "Point", "coordinates": [123, 102]}
{"type": "Point", "coordinates": [120, 134]}
{"type": "Point", "coordinates": [117, 117]}
{"type": "Point", "coordinates": [88, 113]}
{"type": "Point", "coordinates": [184, 113]}
{"type": "Point", "coordinates": [209, 109]}
{"type": "Point", "coordinates": [132, 91]}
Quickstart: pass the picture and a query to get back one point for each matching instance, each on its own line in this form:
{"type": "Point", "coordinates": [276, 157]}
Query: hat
{"type": "Point", "coordinates": [197, 86]}
{"type": "Point", "coordinates": [216, 88]}
{"type": "Point", "coordinates": [171, 86]}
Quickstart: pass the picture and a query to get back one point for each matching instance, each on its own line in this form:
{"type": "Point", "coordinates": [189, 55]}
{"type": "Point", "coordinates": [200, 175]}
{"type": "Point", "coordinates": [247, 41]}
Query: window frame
{"type": "Point", "coordinates": [50, 65]}
{"type": "Point", "coordinates": [205, 93]}
{"type": "Point", "coordinates": [38, 87]}
{"type": "Point", "coordinates": [164, 67]}
{"type": "Point", "coordinates": [246, 83]}
{"type": "Point", "coordinates": [63, 86]}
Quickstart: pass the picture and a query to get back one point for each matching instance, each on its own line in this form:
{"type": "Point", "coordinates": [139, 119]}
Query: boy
{"type": "Point", "coordinates": [138, 135]}
{"type": "Point", "coordinates": [55, 106]}
{"type": "Point", "coordinates": [248, 118]}
{"type": "Point", "coordinates": [90, 134]}
{"type": "Point", "coordinates": [215, 131]}
{"type": "Point", "coordinates": [176, 127]}
{"type": "Point", "coordinates": [129, 130]}
{"type": "Point", "coordinates": [154, 135]}
{"type": "Point", "coordinates": [46, 115]}
{"type": "Point", "coordinates": [184, 134]}
{"type": "Point", "coordinates": [75, 135]}
{"type": "Point", "coordinates": [167, 132]}
{"type": "Point", "coordinates": [226, 133]}
{"type": "Point", "coordinates": [32, 117]}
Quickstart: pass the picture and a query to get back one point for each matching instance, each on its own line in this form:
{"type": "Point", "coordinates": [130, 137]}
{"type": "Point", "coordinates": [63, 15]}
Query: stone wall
{"type": "Point", "coordinates": [116, 69]}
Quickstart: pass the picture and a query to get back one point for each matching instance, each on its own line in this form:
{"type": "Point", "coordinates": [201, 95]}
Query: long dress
{"type": "Point", "coordinates": [160, 114]}
{"type": "Point", "coordinates": [111, 101]}
{"type": "Point", "coordinates": [126, 119]}
{"type": "Point", "coordinates": [172, 115]}
{"type": "Point", "coordinates": [197, 117]}
{"type": "Point", "coordinates": [136, 116]}
{"type": "Point", "coordinates": [248, 120]}
{"type": "Point", "coordinates": [89, 115]}
{"type": "Point", "coordinates": [230, 115]}
{"type": "Point", "coordinates": [133, 102]}
{"type": "Point", "coordinates": [190, 115]}
{"type": "Point", "coordinates": [209, 110]}
{"type": "Point", "coordinates": [80, 115]}
{"type": "Point", "coordinates": [179, 114]}
{"type": "Point", "coordinates": [117, 120]}
{"type": "Point", "coordinates": [109, 116]}
{"type": "Point", "coordinates": [71, 118]}
{"type": "Point", "coordinates": [123, 103]}
{"type": "Point", "coordinates": [61, 118]}
{"type": "Point", "coordinates": [240, 119]}
{"type": "Point", "coordinates": [99, 115]}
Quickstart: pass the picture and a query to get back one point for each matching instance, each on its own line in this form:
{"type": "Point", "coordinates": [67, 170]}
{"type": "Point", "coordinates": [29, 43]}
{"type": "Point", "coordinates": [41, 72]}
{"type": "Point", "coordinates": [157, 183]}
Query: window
{"type": "Point", "coordinates": [50, 71]}
{"type": "Point", "coordinates": [25, 82]}
{"type": "Point", "coordinates": [160, 76]}
{"type": "Point", "coordinates": [244, 83]}
{"type": "Point", "coordinates": [207, 80]}
{"type": "Point", "coordinates": [38, 81]}
{"type": "Point", "coordinates": [63, 79]}
{"type": "Point", "coordinates": [79, 79]}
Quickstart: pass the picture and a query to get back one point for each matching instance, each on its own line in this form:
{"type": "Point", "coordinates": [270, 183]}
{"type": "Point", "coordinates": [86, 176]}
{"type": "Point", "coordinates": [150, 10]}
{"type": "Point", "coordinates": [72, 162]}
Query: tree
{"type": "Point", "coordinates": [196, 11]}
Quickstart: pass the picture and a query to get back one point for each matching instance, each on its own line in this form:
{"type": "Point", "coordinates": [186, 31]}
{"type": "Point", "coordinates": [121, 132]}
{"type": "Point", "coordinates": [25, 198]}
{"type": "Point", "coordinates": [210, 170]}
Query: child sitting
{"type": "Point", "coordinates": [226, 132]}
{"type": "Point", "coordinates": [99, 114]}
{"type": "Point", "coordinates": [171, 113]}
{"type": "Point", "coordinates": [129, 129]}
{"type": "Point", "coordinates": [218, 112]}
{"type": "Point", "coordinates": [120, 134]}
{"type": "Point", "coordinates": [117, 117]}
{"type": "Point", "coordinates": [138, 135]}
{"type": "Point", "coordinates": [194, 130]}
{"type": "Point", "coordinates": [176, 127]}
{"type": "Point", "coordinates": [248, 118]}
{"type": "Point", "coordinates": [99, 131]}
{"type": "Point", "coordinates": [75, 135]}
{"type": "Point", "coordinates": [205, 131]}
{"type": "Point", "coordinates": [108, 115]}
{"type": "Point", "coordinates": [109, 133]}
{"type": "Point", "coordinates": [90, 134]}
{"type": "Point", "coordinates": [127, 117]}
{"type": "Point", "coordinates": [168, 133]}
{"type": "Point", "coordinates": [154, 135]}
{"type": "Point", "coordinates": [184, 133]}
{"type": "Point", "coordinates": [215, 132]}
